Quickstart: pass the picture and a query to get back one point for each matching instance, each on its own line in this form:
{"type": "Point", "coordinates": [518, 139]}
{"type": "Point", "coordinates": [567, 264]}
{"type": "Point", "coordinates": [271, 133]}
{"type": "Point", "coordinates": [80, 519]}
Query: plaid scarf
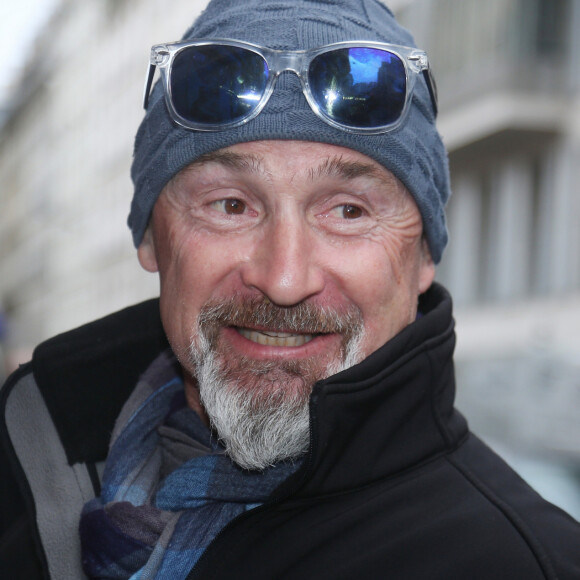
{"type": "Point", "coordinates": [168, 488]}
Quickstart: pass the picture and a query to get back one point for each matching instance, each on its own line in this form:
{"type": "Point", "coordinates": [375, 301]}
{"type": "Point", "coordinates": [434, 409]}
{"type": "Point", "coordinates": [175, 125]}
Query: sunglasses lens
{"type": "Point", "coordinates": [217, 84]}
{"type": "Point", "coordinates": [359, 87]}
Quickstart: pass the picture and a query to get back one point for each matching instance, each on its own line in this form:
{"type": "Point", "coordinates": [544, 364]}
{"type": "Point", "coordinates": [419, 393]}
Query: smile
{"type": "Point", "coordinates": [271, 338]}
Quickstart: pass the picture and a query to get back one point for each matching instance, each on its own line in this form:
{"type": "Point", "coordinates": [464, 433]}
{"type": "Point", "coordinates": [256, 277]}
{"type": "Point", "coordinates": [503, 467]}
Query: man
{"type": "Point", "coordinates": [301, 424]}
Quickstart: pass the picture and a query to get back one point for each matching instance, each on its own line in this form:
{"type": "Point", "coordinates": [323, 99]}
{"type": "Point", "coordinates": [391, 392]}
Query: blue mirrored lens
{"type": "Point", "coordinates": [360, 87]}
{"type": "Point", "coordinates": [217, 84]}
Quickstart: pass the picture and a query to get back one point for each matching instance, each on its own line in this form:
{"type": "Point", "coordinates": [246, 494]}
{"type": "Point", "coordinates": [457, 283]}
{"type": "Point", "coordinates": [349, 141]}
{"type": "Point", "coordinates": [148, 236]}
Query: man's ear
{"type": "Point", "coordinates": [146, 252]}
{"type": "Point", "coordinates": [427, 268]}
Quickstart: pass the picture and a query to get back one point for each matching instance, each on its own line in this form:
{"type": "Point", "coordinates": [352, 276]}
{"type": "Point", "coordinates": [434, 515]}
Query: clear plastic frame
{"type": "Point", "coordinates": [364, 108]}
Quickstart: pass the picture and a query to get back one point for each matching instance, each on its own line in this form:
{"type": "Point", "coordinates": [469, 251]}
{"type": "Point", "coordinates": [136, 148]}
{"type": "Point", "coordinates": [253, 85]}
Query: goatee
{"type": "Point", "coordinates": [260, 409]}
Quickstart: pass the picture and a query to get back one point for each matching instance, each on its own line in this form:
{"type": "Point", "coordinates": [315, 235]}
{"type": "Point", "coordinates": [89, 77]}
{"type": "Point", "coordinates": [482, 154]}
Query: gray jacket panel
{"type": "Point", "coordinates": [59, 490]}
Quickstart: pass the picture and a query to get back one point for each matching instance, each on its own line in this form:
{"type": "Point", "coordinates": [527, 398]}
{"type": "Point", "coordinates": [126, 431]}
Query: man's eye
{"type": "Point", "coordinates": [348, 212]}
{"type": "Point", "coordinates": [230, 206]}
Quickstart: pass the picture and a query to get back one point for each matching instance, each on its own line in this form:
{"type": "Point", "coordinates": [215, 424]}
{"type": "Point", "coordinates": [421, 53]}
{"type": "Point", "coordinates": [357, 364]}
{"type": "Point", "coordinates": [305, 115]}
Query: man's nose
{"type": "Point", "coordinates": [282, 265]}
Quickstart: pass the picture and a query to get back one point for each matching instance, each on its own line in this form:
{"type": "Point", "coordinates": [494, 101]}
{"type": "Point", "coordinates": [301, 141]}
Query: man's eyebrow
{"type": "Point", "coordinates": [243, 162]}
{"type": "Point", "coordinates": [239, 161]}
{"type": "Point", "coordinates": [342, 168]}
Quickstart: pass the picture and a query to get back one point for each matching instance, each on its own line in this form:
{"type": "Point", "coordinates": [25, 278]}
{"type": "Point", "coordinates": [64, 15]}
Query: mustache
{"type": "Point", "coordinates": [259, 312]}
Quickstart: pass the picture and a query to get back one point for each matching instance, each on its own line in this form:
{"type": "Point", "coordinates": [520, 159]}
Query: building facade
{"type": "Point", "coordinates": [65, 149]}
{"type": "Point", "coordinates": [509, 84]}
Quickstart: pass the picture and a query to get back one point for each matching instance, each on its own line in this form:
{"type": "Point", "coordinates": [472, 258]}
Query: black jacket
{"type": "Point", "coordinates": [394, 485]}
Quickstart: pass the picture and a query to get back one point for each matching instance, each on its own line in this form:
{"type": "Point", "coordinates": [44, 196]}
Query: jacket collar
{"type": "Point", "coordinates": [389, 413]}
{"type": "Point", "coordinates": [85, 375]}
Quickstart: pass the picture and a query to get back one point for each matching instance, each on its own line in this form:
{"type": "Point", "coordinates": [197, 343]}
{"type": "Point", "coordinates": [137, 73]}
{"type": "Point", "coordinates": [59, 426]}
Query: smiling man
{"type": "Point", "coordinates": [262, 244]}
{"type": "Point", "coordinates": [285, 409]}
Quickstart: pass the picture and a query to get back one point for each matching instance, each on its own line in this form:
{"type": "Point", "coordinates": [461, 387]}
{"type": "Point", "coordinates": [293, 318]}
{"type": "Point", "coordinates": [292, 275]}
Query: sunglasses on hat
{"type": "Point", "coordinates": [359, 87]}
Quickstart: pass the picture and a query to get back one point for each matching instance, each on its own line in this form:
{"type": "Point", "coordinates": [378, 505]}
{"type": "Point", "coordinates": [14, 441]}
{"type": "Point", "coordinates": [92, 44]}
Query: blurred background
{"type": "Point", "coordinates": [508, 73]}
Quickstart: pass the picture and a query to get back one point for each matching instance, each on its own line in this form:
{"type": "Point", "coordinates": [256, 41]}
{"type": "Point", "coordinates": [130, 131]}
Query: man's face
{"type": "Point", "coordinates": [282, 262]}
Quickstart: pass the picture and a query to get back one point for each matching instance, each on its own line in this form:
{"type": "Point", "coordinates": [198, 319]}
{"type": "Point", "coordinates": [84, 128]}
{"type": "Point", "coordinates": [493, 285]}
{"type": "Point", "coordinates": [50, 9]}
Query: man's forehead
{"type": "Point", "coordinates": [316, 161]}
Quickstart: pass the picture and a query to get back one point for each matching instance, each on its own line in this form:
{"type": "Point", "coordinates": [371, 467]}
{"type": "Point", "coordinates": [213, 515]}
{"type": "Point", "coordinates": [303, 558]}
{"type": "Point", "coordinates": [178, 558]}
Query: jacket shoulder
{"type": "Point", "coordinates": [19, 553]}
{"type": "Point", "coordinates": [56, 416]}
{"type": "Point", "coordinates": [517, 513]}
{"type": "Point", "coordinates": [85, 375]}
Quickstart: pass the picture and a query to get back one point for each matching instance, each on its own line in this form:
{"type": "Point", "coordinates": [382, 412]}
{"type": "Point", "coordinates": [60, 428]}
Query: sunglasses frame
{"type": "Point", "coordinates": [414, 60]}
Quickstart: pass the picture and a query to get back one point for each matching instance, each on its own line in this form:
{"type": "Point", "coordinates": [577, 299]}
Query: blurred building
{"type": "Point", "coordinates": [66, 141]}
{"type": "Point", "coordinates": [508, 73]}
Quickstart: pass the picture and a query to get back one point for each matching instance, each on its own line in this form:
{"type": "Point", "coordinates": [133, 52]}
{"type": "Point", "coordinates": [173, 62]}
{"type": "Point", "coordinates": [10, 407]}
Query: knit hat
{"type": "Point", "coordinates": [413, 152]}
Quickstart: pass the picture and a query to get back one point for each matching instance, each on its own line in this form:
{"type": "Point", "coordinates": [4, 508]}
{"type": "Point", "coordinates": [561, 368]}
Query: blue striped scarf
{"type": "Point", "coordinates": [168, 488]}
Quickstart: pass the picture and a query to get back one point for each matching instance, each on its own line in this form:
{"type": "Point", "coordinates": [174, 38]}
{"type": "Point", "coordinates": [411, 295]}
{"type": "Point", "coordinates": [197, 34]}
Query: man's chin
{"type": "Point", "coordinates": [261, 417]}
{"type": "Point", "coordinates": [270, 383]}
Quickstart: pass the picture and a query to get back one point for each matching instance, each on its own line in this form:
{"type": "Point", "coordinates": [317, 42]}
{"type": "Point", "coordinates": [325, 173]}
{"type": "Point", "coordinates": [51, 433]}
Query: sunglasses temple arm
{"type": "Point", "coordinates": [432, 87]}
{"type": "Point", "coordinates": [148, 83]}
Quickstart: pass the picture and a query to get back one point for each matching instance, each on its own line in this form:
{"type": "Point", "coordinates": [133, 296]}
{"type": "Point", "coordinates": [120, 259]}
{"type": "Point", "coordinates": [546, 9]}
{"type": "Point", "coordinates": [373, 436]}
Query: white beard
{"type": "Point", "coordinates": [265, 419]}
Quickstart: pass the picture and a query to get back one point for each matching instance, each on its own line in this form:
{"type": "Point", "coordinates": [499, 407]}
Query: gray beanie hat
{"type": "Point", "coordinates": [413, 152]}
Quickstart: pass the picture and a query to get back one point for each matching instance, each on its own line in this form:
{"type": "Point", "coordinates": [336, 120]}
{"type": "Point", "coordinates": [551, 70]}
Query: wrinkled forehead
{"type": "Point", "coordinates": [287, 163]}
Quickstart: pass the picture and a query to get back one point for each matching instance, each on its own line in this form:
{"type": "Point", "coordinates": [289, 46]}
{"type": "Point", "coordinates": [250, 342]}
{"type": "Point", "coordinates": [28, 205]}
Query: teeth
{"type": "Point", "coordinates": [270, 338]}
